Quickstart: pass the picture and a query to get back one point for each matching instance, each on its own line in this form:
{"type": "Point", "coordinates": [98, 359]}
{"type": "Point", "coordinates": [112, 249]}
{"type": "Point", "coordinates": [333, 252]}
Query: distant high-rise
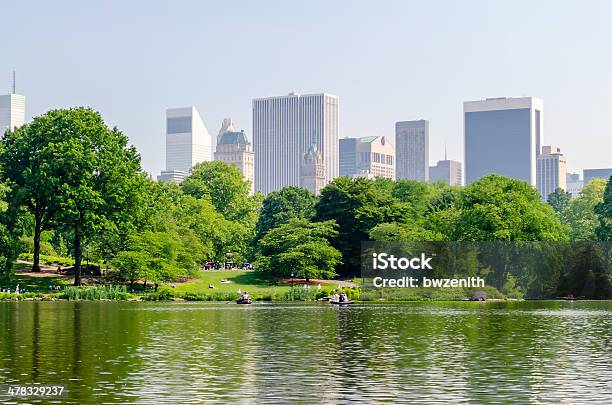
{"type": "Point", "coordinates": [412, 150]}
{"type": "Point", "coordinates": [551, 171]}
{"type": "Point", "coordinates": [573, 183]}
{"type": "Point", "coordinates": [234, 148]}
{"type": "Point", "coordinates": [12, 110]}
{"type": "Point", "coordinates": [448, 171]}
{"type": "Point", "coordinates": [590, 174]}
{"type": "Point", "coordinates": [502, 136]}
{"type": "Point", "coordinates": [371, 156]}
{"type": "Point", "coordinates": [312, 176]}
{"type": "Point", "coordinates": [284, 128]}
{"type": "Point", "coordinates": [187, 142]}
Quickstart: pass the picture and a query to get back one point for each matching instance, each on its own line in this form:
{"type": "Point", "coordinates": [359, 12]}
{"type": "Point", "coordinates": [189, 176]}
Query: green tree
{"type": "Point", "coordinates": [28, 159]}
{"type": "Point", "coordinates": [604, 213]}
{"type": "Point", "coordinates": [130, 265]}
{"type": "Point", "coordinates": [497, 208]}
{"type": "Point", "coordinates": [357, 207]}
{"type": "Point", "coordinates": [96, 173]}
{"type": "Point", "coordinates": [581, 217]}
{"type": "Point", "coordinates": [279, 207]}
{"type": "Point", "coordinates": [300, 248]}
{"type": "Point", "coordinates": [560, 202]}
{"type": "Point", "coordinates": [223, 184]}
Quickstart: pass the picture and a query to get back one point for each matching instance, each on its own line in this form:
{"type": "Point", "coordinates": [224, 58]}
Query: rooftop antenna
{"type": "Point", "coordinates": [13, 82]}
{"type": "Point", "coordinates": [445, 158]}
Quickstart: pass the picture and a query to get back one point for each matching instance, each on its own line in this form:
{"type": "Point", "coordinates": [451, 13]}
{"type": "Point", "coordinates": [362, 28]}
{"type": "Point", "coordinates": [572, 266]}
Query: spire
{"type": "Point", "coordinates": [14, 82]}
{"type": "Point", "coordinates": [445, 158]}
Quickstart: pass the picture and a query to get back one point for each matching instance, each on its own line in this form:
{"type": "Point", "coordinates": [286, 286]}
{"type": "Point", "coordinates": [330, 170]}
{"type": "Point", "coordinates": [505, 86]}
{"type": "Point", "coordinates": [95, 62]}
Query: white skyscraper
{"type": "Point", "coordinates": [187, 142]}
{"type": "Point", "coordinates": [552, 172]}
{"type": "Point", "coordinates": [503, 136]}
{"type": "Point", "coordinates": [12, 110]}
{"type": "Point", "coordinates": [284, 128]}
{"type": "Point", "coordinates": [412, 150]}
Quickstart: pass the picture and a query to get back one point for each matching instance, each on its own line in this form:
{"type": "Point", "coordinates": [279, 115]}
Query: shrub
{"type": "Point", "coordinates": [107, 292]}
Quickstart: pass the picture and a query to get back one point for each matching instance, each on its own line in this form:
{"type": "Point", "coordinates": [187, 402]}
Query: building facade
{"type": "Point", "coordinates": [283, 130]}
{"type": "Point", "coordinates": [590, 174]}
{"type": "Point", "coordinates": [12, 112]}
{"type": "Point", "coordinates": [234, 148]}
{"type": "Point", "coordinates": [551, 171]}
{"type": "Point", "coordinates": [502, 136]}
{"type": "Point", "coordinates": [187, 142]}
{"type": "Point", "coordinates": [312, 173]}
{"type": "Point", "coordinates": [447, 171]}
{"type": "Point", "coordinates": [573, 184]}
{"type": "Point", "coordinates": [372, 156]}
{"type": "Point", "coordinates": [412, 150]}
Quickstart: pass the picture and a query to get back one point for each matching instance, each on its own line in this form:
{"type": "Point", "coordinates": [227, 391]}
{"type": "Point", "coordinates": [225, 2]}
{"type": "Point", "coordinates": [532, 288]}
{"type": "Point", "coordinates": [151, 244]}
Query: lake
{"type": "Point", "coordinates": [463, 352]}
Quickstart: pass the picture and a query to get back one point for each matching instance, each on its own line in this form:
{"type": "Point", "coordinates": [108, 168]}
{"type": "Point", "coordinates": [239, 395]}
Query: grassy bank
{"type": "Point", "coordinates": [259, 287]}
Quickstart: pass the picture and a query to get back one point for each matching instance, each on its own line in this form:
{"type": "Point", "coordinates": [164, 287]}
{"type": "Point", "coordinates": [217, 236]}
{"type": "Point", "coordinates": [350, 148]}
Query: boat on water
{"type": "Point", "coordinates": [244, 301]}
{"type": "Point", "coordinates": [341, 303]}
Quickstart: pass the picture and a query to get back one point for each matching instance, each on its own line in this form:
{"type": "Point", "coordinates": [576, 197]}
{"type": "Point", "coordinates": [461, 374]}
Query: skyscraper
{"type": "Point", "coordinates": [234, 148]}
{"type": "Point", "coordinates": [573, 184]}
{"type": "Point", "coordinates": [312, 175]}
{"type": "Point", "coordinates": [448, 171]}
{"type": "Point", "coordinates": [552, 171]}
{"type": "Point", "coordinates": [590, 174]}
{"type": "Point", "coordinates": [412, 150]}
{"type": "Point", "coordinates": [503, 136]}
{"type": "Point", "coordinates": [371, 156]}
{"type": "Point", "coordinates": [187, 142]}
{"type": "Point", "coordinates": [12, 110]}
{"type": "Point", "coordinates": [284, 128]}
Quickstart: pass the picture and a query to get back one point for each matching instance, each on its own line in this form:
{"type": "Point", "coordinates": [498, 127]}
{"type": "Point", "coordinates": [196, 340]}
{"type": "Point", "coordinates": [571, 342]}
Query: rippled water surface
{"type": "Point", "coordinates": [110, 352]}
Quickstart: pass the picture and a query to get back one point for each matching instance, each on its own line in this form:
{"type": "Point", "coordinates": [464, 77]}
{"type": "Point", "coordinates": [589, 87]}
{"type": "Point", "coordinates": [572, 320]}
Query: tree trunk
{"type": "Point", "coordinates": [37, 232]}
{"type": "Point", "coordinates": [77, 256]}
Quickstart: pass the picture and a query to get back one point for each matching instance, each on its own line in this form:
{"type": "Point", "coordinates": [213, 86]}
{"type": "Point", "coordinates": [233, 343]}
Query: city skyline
{"type": "Point", "coordinates": [120, 67]}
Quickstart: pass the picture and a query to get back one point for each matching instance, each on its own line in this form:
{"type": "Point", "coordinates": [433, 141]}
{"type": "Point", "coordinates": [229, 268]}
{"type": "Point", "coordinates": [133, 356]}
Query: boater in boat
{"type": "Point", "coordinates": [244, 299]}
{"type": "Point", "coordinates": [341, 299]}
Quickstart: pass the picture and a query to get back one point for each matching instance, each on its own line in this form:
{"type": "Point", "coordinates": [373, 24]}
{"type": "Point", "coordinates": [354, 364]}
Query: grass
{"type": "Point", "coordinates": [32, 284]}
{"type": "Point", "coordinates": [245, 280]}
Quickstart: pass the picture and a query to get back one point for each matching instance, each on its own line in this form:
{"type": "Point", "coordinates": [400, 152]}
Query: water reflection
{"type": "Point", "coordinates": [531, 352]}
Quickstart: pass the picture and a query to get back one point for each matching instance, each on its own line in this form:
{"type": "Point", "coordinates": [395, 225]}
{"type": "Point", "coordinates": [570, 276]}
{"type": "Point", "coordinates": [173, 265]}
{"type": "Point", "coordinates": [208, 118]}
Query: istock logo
{"type": "Point", "coordinates": [384, 261]}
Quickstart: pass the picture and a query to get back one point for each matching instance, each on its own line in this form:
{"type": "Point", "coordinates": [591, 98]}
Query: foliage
{"type": "Point", "coordinates": [500, 208]}
{"type": "Point", "coordinates": [279, 207]}
{"type": "Point", "coordinates": [581, 217]}
{"type": "Point", "coordinates": [357, 207]}
{"type": "Point", "coordinates": [106, 292]}
{"type": "Point", "coordinates": [560, 201]}
{"type": "Point", "coordinates": [604, 214]}
{"type": "Point", "coordinates": [300, 248]}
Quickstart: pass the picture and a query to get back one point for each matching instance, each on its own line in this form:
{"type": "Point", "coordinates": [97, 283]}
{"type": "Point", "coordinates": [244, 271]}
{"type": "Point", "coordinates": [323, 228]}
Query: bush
{"type": "Point", "coordinates": [107, 292]}
{"type": "Point", "coordinates": [300, 294]}
{"type": "Point", "coordinates": [161, 295]}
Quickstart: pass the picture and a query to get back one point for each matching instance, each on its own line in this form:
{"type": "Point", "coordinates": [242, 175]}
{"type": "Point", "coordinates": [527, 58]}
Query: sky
{"type": "Point", "coordinates": [387, 60]}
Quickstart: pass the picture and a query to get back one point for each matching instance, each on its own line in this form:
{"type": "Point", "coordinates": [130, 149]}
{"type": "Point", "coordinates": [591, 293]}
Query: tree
{"type": "Point", "coordinates": [280, 207]}
{"type": "Point", "coordinates": [581, 217]}
{"type": "Point", "coordinates": [604, 213]}
{"type": "Point", "coordinates": [357, 207]}
{"type": "Point", "coordinates": [560, 201]}
{"type": "Point", "coordinates": [131, 266]}
{"type": "Point", "coordinates": [223, 184]}
{"type": "Point", "coordinates": [300, 248]}
{"type": "Point", "coordinates": [96, 173]}
{"type": "Point", "coordinates": [497, 208]}
{"type": "Point", "coordinates": [28, 161]}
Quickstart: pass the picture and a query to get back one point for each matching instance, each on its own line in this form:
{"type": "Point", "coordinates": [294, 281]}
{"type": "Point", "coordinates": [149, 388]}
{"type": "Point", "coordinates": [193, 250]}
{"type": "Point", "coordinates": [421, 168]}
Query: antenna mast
{"type": "Point", "coordinates": [13, 82]}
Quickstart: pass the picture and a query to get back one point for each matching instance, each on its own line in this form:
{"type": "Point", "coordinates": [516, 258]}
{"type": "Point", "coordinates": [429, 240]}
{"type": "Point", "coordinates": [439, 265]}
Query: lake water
{"type": "Point", "coordinates": [121, 352]}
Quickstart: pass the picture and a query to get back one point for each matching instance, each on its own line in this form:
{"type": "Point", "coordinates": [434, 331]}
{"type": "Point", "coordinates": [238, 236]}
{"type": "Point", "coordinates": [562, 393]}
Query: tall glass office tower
{"type": "Point", "coordinates": [502, 136]}
{"type": "Point", "coordinates": [12, 112]}
{"type": "Point", "coordinates": [284, 129]}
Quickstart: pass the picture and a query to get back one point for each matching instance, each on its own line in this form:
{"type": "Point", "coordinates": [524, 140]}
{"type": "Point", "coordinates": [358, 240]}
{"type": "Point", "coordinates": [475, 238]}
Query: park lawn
{"type": "Point", "coordinates": [33, 284]}
{"type": "Point", "coordinates": [245, 280]}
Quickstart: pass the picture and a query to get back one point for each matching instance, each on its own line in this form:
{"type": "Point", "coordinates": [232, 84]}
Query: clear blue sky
{"type": "Point", "coordinates": [387, 60]}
